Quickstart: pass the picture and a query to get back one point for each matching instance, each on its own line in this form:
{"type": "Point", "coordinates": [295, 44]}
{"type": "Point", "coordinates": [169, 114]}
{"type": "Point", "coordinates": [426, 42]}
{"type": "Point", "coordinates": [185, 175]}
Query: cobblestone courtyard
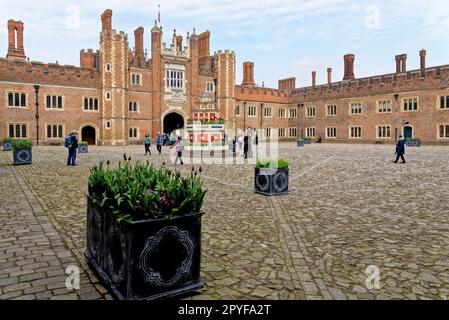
{"type": "Point", "coordinates": [349, 207]}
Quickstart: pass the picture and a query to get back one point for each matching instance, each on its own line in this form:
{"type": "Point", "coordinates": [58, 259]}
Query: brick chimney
{"type": "Point", "coordinates": [398, 63]}
{"type": "Point", "coordinates": [313, 79]}
{"type": "Point", "coordinates": [349, 67]}
{"type": "Point", "coordinates": [329, 76]}
{"type": "Point", "coordinates": [422, 55]}
{"type": "Point", "coordinates": [248, 74]}
{"type": "Point", "coordinates": [15, 41]}
{"type": "Point", "coordinates": [138, 35]}
{"type": "Point", "coordinates": [106, 20]}
{"type": "Point", "coordinates": [404, 63]}
{"type": "Point", "coordinates": [88, 59]}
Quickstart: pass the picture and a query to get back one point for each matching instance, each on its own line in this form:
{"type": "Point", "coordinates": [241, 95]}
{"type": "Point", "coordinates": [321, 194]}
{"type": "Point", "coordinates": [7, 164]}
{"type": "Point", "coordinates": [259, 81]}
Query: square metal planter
{"type": "Point", "coordinates": [300, 143]}
{"type": "Point", "coordinates": [414, 143]}
{"type": "Point", "coordinates": [144, 260]}
{"type": "Point", "coordinates": [271, 182]}
{"type": "Point", "coordinates": [307, 141]}
{"type": "Point", "coordinates": [7, 146]}
{"type": "Point", "coordinates": [83, 148]}
{"type": "Point", "coordinates": [22, 156]}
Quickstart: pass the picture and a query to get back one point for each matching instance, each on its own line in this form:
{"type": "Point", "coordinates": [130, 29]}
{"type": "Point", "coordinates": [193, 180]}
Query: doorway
{"type": "Point", "coordinates": [408, 132]}
{"type": "Point", "coordinates": [88, 134]}
{"type": "Point", "coordinates": [173, 121]}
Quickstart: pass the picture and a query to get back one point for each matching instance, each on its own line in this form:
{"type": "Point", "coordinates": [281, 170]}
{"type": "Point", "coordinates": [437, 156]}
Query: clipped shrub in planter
{"type": "Point", "coordinates": [22, 151]}
{"type": "Point", "coordinates": [144, 230]}
{"type": "Point", "coordinates": [7, 144]}
{"type": "Point", "coordinates": [301, 143]}
{"type": "Point", "coordinates": [83, 147]}
{"type": "Point", "coordinates": [413, 143]}
{"type": "Point", "coordinates": [271, 177]}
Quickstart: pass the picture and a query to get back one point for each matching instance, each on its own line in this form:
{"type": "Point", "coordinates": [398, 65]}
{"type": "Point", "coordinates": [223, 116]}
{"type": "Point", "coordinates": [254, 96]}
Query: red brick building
{"type": "Point", "coordinates": [118, 95]}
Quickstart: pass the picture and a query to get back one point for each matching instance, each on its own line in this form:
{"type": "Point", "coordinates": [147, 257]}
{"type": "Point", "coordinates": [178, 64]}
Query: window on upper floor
{"type": "Point", "coordinates": [355, 108]}
{"type": "Point", "coordinates": [292, 113]}
{"type": "Point", "coordinates": [267, 112]}
{"type": "Point", "coordinates": [17, 100]}
{"type": "Point", "coordinates": [174, 79]}
{"type": "Point", "coordinates": [237, 110]}
{"type": "Point", "coordinates": [311, 111]}
{"type": "Point", "coordinates": [210, 87]}
{"type": "Point", "coordinates": [135, 79]}
{"type": "Point", "coordinates": [133, 106]}
{"type": "Point", "coordinates": [331, 110]}
{"type": "Point", "coordinates": [90, 104]}
{"type": "Point", "coordinates": [410, 104]}
{"type": "Point", "coordinates": [444, 102]}
{"type": "Point", "coordinates": [252, 111]}
{"type": "Point", "coordinates": [54, 102]}
{"type": "Point", "coordinates": [282, 113]}
{"type": "Point", "coordinates": [384, 106]}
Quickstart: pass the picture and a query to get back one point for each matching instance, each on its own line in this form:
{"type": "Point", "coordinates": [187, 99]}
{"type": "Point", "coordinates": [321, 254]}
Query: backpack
{"type": "Point", "coordinates": [68, 142]}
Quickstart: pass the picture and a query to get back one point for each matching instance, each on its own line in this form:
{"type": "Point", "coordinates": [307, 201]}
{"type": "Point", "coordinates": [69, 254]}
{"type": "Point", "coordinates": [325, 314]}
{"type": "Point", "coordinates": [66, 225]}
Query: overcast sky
{"type": "Point", "coordinates": [282, 37]}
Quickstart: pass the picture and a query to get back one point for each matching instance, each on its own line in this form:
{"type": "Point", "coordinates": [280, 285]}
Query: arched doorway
{"type": "Point", "coordinates": [408, 132]}
{"type": "Point", "coordinates": [173, 121]}
{"type": "Point", "coordinates": [88, 134]}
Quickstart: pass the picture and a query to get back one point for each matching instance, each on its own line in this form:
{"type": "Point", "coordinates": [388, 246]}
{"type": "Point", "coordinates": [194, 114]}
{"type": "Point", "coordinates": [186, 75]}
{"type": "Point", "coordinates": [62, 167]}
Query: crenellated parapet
{"type": "Point", "coordinates": [260, 94]}
{"type": "Point", "coordinates": [35, 72]}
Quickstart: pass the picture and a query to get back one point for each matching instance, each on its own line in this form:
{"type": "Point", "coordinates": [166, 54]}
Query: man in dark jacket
{"type": "Point", "coordinates": [73, 149]}
{"type": "Point", "coordinates": [400, 150]}
{"type": "Point", "coordinates": [245, 147]}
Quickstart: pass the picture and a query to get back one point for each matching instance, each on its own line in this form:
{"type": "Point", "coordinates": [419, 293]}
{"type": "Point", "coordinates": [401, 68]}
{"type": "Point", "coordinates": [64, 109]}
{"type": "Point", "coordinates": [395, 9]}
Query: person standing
{"type": "Point", "coordinates": [245, 147]}
{"type": "Point", "coordinates": [400, 150]}
{"type": "Point", "coordinates": [73, 147]}
{"type": "Point", "coordinates": [257, 140]}
{"type": "Point", "coordinates": [147, 144]}
{"type": "Point", "coordinates": [179, 148]}
{"type": "Point", "coordinates": [159, 142]}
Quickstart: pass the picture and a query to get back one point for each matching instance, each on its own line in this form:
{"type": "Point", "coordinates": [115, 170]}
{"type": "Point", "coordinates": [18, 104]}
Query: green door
{"type": "Point", "coordinates": [408, 132]}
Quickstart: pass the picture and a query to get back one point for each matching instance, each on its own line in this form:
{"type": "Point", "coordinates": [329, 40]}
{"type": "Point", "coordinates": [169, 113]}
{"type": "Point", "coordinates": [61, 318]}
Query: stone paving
{"type": "Point", "coordinates": [349, 207]}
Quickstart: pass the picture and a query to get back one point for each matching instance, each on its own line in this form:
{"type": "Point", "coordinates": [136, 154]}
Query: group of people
{"type": "Point", "coordinates": [161, 140]}
{"type": "Point", "coordinates": [245, 143]}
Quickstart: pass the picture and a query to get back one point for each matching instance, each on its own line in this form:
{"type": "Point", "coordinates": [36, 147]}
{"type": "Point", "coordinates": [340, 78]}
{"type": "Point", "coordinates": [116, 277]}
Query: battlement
{"type": "Point", "coordinates": [413, 80]}
{"type": "Point", "coordinates": [261, 94]}
{"type": "Point", "coordinates": [51, 74]}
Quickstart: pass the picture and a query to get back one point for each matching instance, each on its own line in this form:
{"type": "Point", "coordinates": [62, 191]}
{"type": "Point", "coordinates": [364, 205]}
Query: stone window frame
{"type": "Point", "coordinates": [267, 112]}
{"type": "Point", "coordinates": [309, 113]}
{"type": "Point", "coordinates": [106, 93]}
{"type": "Point", "coordinates": [210, 86]}
{"type": "Point", "coordinates": [135, 133]}
{"type": "Point", "coordinates": [351, 105]}
{"type": "Point", "coordinates": [284, 132]}
{"type": "Point", "coordinates": [52, 95]}
{"type": "Point", "coordinates": [106, 125]}
{"type": "Point", "coordinates": [409, 98]}
{"type": "Point", "coordinates": [83, 98]}
{"type": "Point", "coordinates": [14, 92]}
{"type": "Point", "coordinates": [270, 130]}
{"type": "Point", "coordinates": [21, 124]}
{"type": "Point", "coordinates": [378, 109]}
{"type": "Point", "coordinates": [137, 105]}
{"type": "Point", "coordinates": [284, 110]}
{"type": "Point", "coordinates": [355, 127]}
{"type": "Point", "coordinates": [250, 113]}
{"type": "Point", "coordinates": [446, 131]}
{"type": "Point", "coordinates": [306, 132]}
{"type": "Point", "coordinates": [383, 126]}
{"type": "Point", "coordinates": [326, 129]}
{"type": "Point", "coordinates": [290, 130]}
{"type": "Point", "coordinates": [327, 110]}
{"type": "Point", "coordinates": [237, 110]}
{"type": "Point", "coordinates": [107, 67]}
{"type": "Point", "coordinates": [52, 125]}
{"type": "Point", "coordinates": [136, 75]}
{"type": "Point", "coordinates": [295, 111]}
{"type": "Point", "coordinates": [446, 108]}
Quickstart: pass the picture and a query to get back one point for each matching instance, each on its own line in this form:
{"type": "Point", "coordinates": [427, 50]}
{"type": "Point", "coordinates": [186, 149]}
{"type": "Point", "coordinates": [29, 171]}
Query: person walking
{"type": "Point", "coordinates": [245, 147]}
{"type": "Point", "coordinates": [179, 148]}
{"type": "Point", "coordinates": [400, 150]}
{"type": "Point", "coordinates": [257, 140]}
{"type": "Point", "coordinates": [159, 142]}
{"type": "Point", "coordinates": [147, 144]}
{"type": "Point", "coordinates": [72, 145]}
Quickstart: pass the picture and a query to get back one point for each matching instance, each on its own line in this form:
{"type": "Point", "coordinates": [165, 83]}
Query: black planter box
{"type": "Point", "coordinates": [144, 260]}
{"type": "Point", "coordinates": [22, 156]}
{"type": "Point", "coordinates": [270, 182]}
{"type": "Point", "coordinates": [83, 148]}
{"type": "Point", "coordinates": [7, 146]}
{"type": "Point", "coordinates": [300, 143]}
{"type": "Point", "coordinates": [413, 143]}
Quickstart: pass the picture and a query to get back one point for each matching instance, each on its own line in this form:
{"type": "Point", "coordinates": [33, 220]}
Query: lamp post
{"type": "Point", "coordinates": [396, 107]}
{"type": "Point", "coordinates": [36, 90]}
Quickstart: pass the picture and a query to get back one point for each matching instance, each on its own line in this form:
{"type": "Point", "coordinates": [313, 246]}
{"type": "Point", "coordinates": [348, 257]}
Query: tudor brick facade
{"type": "Point", "coordinates": [117, 95]}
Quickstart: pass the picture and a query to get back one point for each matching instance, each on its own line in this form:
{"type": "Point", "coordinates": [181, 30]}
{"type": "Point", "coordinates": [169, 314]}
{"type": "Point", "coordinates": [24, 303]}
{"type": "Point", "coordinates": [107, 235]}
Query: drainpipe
{"type": "Point", "coordinates": [261, 118]}
{"type": "Point", "coordinates": [396, 103]}
{"type": "Point", "coordinates": [36, 90]}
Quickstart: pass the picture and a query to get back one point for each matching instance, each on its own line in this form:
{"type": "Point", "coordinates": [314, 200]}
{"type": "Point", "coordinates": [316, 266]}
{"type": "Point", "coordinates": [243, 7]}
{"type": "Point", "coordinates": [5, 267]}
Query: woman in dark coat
{"type": "Point", "coordinates": [400, 150]}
